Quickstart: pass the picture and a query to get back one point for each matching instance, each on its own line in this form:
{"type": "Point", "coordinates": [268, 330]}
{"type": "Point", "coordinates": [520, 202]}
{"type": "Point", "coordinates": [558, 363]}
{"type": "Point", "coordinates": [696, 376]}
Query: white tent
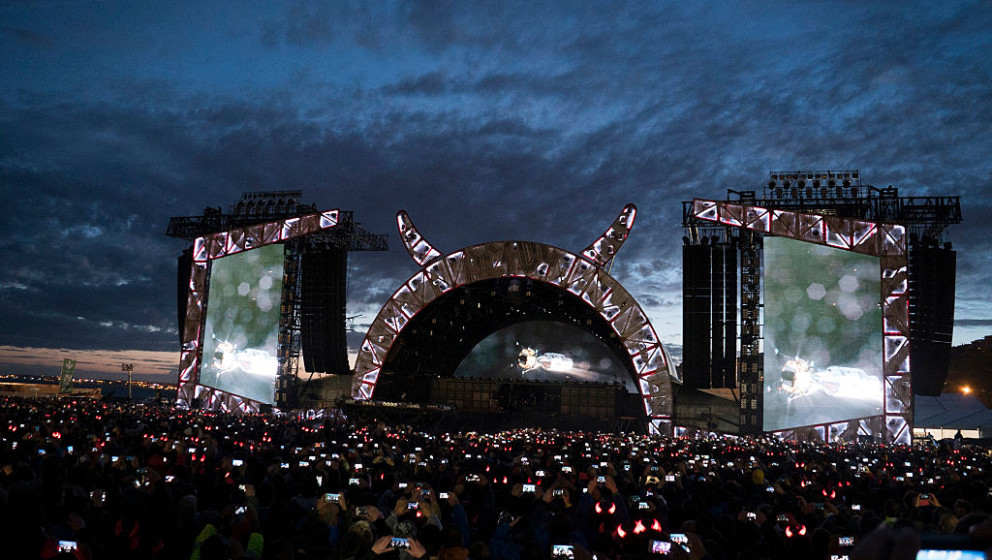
{"type": "Point", "coordinates": [943, 416]}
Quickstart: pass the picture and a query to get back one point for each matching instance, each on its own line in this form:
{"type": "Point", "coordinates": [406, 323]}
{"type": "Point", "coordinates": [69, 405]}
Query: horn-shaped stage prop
{"type": "Point", "coordinates": [600, 251]}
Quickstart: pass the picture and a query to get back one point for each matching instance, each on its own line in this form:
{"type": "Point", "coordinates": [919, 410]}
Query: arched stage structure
{"type": "Point", "coordinates": [561, 285]}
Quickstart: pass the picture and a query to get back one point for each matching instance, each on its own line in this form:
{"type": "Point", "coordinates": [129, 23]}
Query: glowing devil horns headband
{"type": "Point", "coordinates": [600, 251]}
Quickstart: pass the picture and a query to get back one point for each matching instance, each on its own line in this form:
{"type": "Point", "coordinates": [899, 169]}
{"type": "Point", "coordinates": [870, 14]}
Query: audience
{"type": "Point", "coordinates": [90, 480]}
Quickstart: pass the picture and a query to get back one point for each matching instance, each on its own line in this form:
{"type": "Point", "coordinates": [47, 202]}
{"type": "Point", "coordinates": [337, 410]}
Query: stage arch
{"type": "Point", "coordinates": [576, 277]}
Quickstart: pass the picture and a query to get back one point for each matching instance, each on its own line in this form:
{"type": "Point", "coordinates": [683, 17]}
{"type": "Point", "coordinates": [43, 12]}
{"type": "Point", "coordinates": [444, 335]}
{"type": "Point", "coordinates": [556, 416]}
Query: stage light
{"type": "Point", "coordinates": [966, 390]}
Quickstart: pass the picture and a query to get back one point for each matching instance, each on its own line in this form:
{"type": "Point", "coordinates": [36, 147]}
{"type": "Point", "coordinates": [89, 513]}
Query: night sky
{"type": "Point", "coordinates": [484, 120]}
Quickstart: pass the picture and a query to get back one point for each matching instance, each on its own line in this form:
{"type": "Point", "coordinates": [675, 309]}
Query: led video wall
{"type": "Point", "coordinates": [544, 351]}
{"type": "Point", "coordinates": [241, 334]}
{"type": "Point", "coordinates": [823, 335]}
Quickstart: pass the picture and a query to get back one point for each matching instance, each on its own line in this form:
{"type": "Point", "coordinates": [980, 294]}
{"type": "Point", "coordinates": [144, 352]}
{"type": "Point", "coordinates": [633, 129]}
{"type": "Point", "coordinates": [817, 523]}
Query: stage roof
{"type": "Point", "coordinates": [952, 410]}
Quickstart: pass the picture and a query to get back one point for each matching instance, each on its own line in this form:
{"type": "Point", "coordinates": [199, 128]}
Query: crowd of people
{"type": "Point", "coordinates": [89, 480]}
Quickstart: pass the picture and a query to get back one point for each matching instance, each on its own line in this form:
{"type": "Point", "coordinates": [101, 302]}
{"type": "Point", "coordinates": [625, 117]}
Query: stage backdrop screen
{"type": "Point", "coordinates": [544, 351]}
{"type": "Point", "coordinates": [241, 335]}
{"type": "Point", "coordinates": [823, 335]}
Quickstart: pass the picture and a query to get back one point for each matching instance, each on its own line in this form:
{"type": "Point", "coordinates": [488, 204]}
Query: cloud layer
{"type": "Point", "coordinates": [484, 122]}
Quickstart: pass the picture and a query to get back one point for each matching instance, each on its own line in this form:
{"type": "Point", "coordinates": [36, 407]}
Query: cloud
{"type": "Point", "coordinates": [974, 322]}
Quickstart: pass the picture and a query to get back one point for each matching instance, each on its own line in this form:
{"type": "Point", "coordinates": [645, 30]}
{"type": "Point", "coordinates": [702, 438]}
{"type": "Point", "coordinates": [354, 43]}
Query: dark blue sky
{"type": "Point", "coordinates": [485, 120]}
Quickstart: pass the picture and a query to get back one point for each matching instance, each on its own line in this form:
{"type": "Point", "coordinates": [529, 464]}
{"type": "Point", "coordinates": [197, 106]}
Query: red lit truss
{"type": "Point", "coordinates": [205, 250]}
{"type": "Point", "coordinates": [885, 241]}
{"type": "Point", "coordinates": [582, 275]}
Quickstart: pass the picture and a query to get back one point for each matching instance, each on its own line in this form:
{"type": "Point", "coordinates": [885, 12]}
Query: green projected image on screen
{"type": "Point", "coordinates": [544, 351]}
{"type": "Point", "coordinates": [823, 335]}
{"type": "Point", "coordinates": [241, 335]}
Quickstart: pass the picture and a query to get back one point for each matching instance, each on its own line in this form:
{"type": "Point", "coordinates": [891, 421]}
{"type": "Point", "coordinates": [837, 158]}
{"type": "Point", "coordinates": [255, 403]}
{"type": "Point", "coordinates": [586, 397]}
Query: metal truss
{"type": "Point", "coordinates": [290, 321]}
{"type": "Point", "coordinates": [751, 369]}
{"type": "Point", "coordinates": [214, 246]}
{"type": "Point", "coordinates": [582, 275]}
{"type": "Point", "coordinates": [886, 241]}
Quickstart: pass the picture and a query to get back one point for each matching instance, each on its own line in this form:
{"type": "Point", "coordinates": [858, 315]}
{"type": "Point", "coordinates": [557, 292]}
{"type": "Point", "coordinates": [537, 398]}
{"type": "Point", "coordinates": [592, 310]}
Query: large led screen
{"type": "Point", "coordinates": [823, 335]}
{"type": "Point", "coordinates": [241, 335]}
{"type": "Point", "coordinates": [544, 351]}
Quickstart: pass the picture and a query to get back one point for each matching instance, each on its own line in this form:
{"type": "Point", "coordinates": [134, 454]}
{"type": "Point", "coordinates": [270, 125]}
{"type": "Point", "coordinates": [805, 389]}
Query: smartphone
{"type": "Point", "coordinates": [530, 488]}
{"type": "Point", "coordinates": [443, 495]}
{"type": "Point", "coordinates": [471, 478]}
{"type": "Point", "coordinates": [660, 548]}
{"type": "Point", "coordinates": [855, 507]}
{"type": "Point", "coordinates": [362, 510]}
{"type": "Point", "coordinates": [412, 505]}
{"type": "Point", "coordinates": [845, 541]}
{"type": "Point", "coordinates": [751, 516]}
{"type": "Point", "coordinates": [558, 492]}
{"type": "Point", "coordinates": [562, 552]}
{"type": "Point", "coordinates": [949, 554]}
{"type": "Point", "coordinates": [240, 510]}
{"type": "Point", "coordinates": [643, 505]}
{"type": "Point", "coordinates": [170, 478]}
{"type": "Point", "coordinates": [67, 546]}
{"type": "Point", "coordinates": [402, 485]}
{"type": "Point", "coordinates": [353, 482]}
{"type": "Point", "coordinates": [397, 542]}
{"type": "Point", "coordinates": [669, 478]}
{"type": "Point", "coordinates": [329, 497]}
{"type": "Point", "coordinates": [566, 469]}
{"type": "Point", "coordinates": [601, 479]}
{"type": "Point", "coordinates": [237, 462]}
